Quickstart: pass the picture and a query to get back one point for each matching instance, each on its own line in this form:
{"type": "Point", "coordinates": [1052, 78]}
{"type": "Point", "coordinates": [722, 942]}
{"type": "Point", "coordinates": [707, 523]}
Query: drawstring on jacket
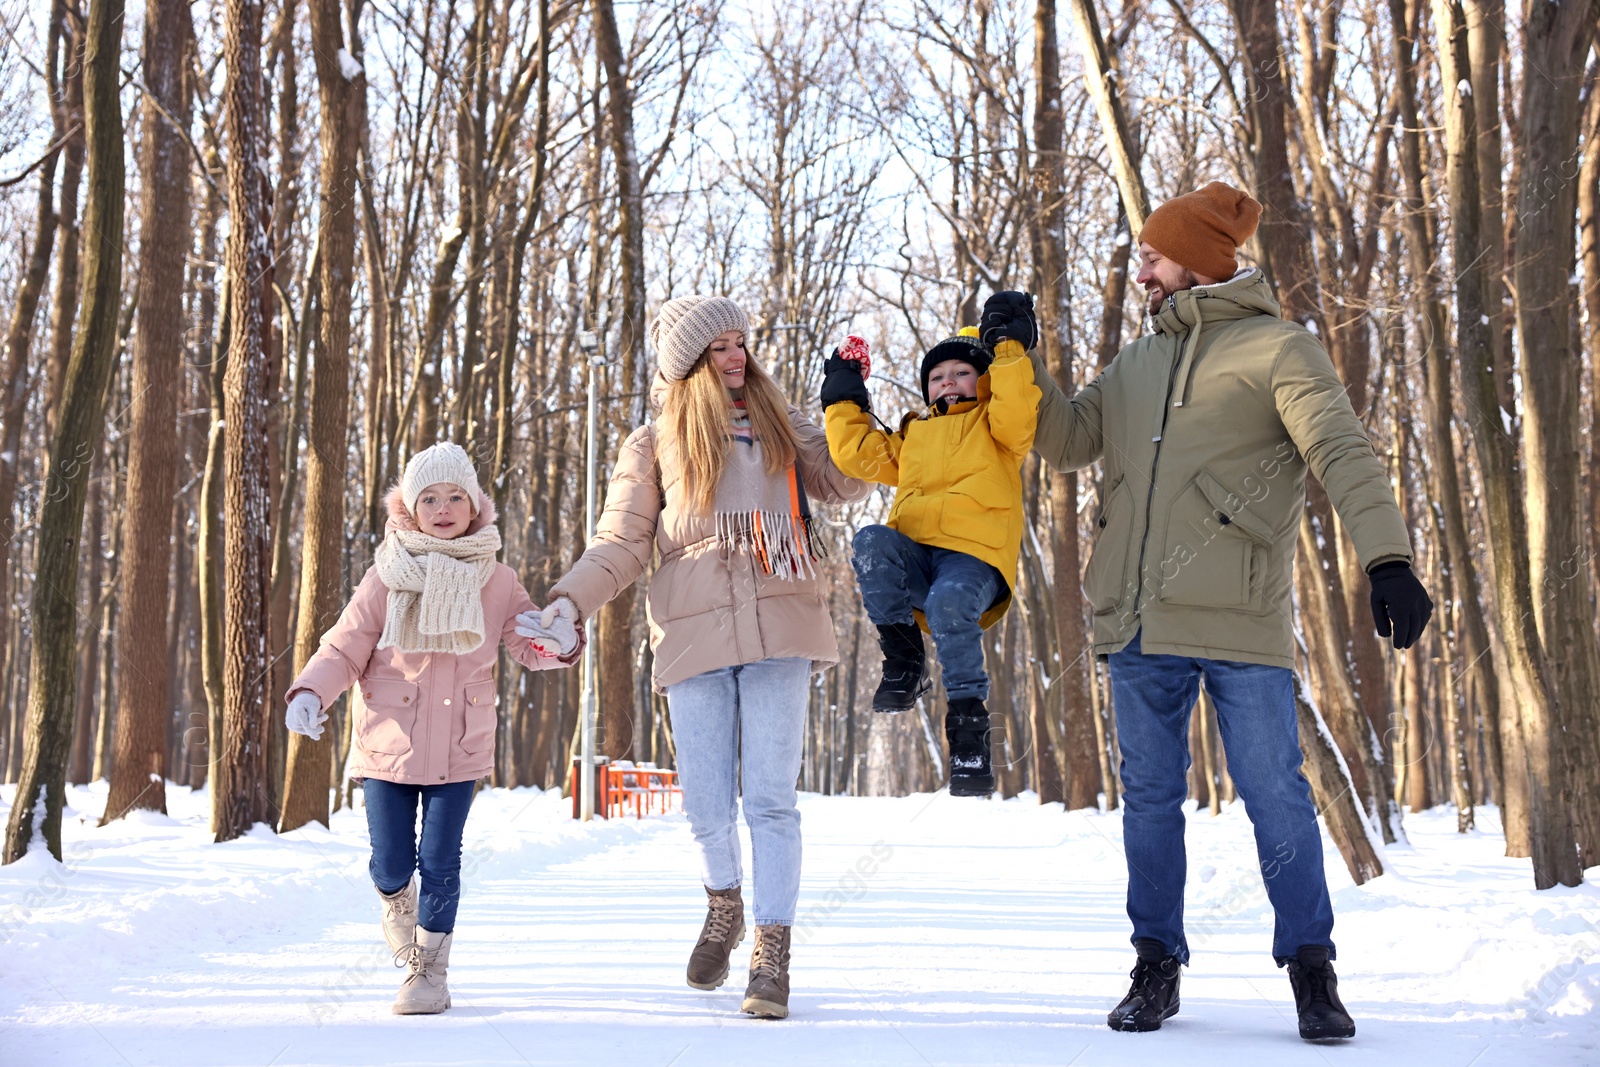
{"type": "Point", "coordinates": [1185, 371]}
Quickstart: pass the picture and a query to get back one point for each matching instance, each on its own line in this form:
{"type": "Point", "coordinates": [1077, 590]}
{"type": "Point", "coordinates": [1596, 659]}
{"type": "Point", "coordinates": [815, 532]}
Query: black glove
{"type": "Point", "coordinates": [1399, 603]}
{"type": "Point", "coordinates": [841, 380]}
{"type": "Point", "coordinates": [1009, 316]}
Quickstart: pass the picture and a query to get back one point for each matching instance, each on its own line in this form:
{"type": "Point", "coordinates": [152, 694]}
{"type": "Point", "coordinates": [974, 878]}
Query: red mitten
{"type": "Point", "coordinates": [856, 348]}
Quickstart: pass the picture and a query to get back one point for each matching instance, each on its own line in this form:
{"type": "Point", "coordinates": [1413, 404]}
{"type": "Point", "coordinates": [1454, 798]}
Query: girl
{"type": "Point", "coordinates": [419, 640]}
{"type": "Point", "coordinates": [738, 621]}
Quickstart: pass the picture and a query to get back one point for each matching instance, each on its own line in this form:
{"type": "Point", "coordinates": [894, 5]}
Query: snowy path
{"type": "Point", "coordinates": [933, 931]}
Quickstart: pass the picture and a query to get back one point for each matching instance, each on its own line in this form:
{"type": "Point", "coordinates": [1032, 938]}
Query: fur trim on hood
{"type": "Point", "coordinates": [401, 519]}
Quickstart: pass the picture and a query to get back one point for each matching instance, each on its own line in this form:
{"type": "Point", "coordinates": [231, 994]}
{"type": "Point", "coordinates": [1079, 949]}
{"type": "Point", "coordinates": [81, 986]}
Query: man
{"type": "Point", "coordinates": [1208, 427]}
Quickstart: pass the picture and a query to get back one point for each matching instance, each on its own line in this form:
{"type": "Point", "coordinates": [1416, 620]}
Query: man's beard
{"type": "Point", "coordinates": [1159, 297]}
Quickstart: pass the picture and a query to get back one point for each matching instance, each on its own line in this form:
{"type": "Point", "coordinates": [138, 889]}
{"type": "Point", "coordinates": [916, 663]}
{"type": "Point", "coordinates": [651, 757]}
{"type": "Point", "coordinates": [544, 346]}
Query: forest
{"type": "Point", "coordinates": [255, 253]}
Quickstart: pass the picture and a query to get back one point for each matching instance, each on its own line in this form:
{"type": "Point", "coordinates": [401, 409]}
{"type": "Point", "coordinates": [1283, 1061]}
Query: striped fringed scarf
{"type": "Point", "coordinates": [765, 515]}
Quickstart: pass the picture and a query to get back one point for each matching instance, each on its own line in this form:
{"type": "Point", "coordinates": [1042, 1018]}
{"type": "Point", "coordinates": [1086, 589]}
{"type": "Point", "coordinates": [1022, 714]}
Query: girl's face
{"type": "Point", "coordinates": [727, 357]}
{"type": "Point", "coordinates": [443, 510]}
{"type": "Point", "coordinates": [952, 378]}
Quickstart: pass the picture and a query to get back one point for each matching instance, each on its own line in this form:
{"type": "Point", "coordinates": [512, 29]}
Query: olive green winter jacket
{"type": "Point", "coordinates": [1207, 428]}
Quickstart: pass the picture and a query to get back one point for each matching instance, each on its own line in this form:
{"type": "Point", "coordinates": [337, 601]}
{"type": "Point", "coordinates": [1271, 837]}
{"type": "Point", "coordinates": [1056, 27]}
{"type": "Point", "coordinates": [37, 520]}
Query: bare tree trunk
{"type": "Point", "coordinates": [1550, 830]}
{"type": "Point", "coordinates": [1065, 771]}
{"type": "Point", "coordinates": [1589, 254]}
{"type": "Point", "coordinates": [19, 340]}
{"type": "Point", "coordinates": [1321, 617]}
{"type": "Point", "coordinates": [240, 787]}
{"type": "Point", "coordinates": [616, 618]}
{"type": "Point", "coordinates": [64, 310]}
{"type": "Point", "coordinates": [1486, 49]}
{"type": "Point", "coordinates": [1102, 85]}
{"type": "Point", "coordinates": [1482, 660]}
{"type": "Point", "coordinates": [209, 575]}
{"type": "Point", "coordinates": [1330, 790]}
{"type": "Point", "coordinates": [511, 302]}
{"type": "Point", "coordinates": [91, 639]}
{"type": "Point", "coordinates": [1557, 39]}
{"type": "Point", "coordinates": [41, 790]}
{"type": "Point", "coordinates": [305, 792]}
{"type": "Point", "coordinates": [1283, 231]}
{"type": "Point", "coordinates": [138, 764]}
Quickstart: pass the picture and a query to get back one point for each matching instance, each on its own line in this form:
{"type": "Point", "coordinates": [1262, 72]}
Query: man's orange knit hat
{"type": "Point", "coordinates": [1203, 231]}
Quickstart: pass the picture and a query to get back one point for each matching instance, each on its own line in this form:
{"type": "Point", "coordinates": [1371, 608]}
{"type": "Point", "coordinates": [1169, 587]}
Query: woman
{"type": "Point", "coordinates": [421, 636]}
{"type": "Point", "coordinates": [719, 485]}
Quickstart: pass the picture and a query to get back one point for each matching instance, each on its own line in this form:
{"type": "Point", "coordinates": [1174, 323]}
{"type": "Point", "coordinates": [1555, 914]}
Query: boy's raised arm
{"type": "Point", "coordinates": [1013, 398]}
{"type": "Point", "coordinates": [1067, 432]}
{"type": "Point", "coordinates": [859, 448]}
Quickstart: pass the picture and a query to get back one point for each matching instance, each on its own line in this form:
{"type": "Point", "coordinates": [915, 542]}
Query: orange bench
{"type": "Point", "coordinates": [620, 787]}
{"type": "Point", "coordinates": [647, 789]}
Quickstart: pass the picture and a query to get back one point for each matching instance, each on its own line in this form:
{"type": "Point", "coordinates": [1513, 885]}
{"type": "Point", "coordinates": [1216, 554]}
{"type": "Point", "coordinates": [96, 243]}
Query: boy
{"type": "Point", "coordinates": [947, 558]}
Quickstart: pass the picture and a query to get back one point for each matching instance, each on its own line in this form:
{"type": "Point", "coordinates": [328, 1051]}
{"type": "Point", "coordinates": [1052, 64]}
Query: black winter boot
{"type": "Point", "coordinates": [966, 727]}
{"type": "Point", "coordinates": [1316, 996]}
{"type": "Point", "coordinates": [1154, 994]}
{"type": "Point", "coordinates": [905, 668]}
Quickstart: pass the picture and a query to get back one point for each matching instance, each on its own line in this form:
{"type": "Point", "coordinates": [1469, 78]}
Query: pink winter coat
{"type": "Point", "coordinates": [421, 718]}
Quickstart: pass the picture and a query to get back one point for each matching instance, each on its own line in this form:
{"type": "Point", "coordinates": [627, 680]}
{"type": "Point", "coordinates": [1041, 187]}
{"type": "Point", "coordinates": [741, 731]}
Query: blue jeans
{"type": "Point", "coordinates": [392, 824]}
{"type": "Point", "coordinates": [745, 723]}
{"type": "Point", "coordinates": [1256, 716]}
{"type": "Point", "coordinates": [951, 589]}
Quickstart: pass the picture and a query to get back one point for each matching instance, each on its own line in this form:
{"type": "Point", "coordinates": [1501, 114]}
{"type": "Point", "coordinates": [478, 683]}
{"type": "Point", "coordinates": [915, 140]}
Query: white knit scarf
{"type": "Point", "coordinates": [435, 589]}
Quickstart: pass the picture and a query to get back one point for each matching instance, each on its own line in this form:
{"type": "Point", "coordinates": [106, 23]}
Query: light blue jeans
{"type": "Point", "coordinates": [745, 723]}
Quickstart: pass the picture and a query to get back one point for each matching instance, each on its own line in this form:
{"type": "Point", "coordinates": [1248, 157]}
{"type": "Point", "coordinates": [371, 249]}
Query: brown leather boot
{"type": "Point", "coordinates": [767, 995]}
{"type": "Point", "coordinates": [721, 934]}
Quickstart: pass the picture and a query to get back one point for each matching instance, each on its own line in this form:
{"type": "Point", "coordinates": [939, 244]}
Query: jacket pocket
{"type": "Point", "coordinates": [1105, 580]}
{"type": "Point", "coordinates": [481, 720]}
{"type": "Point", "coordinates": [1215, 549]}
{"type": "Point", "coordinates": [697, 582]}
{"type": "Point", "coordinates": [978, 510]}
{"type": "Point", "coordinates": [389, 711]}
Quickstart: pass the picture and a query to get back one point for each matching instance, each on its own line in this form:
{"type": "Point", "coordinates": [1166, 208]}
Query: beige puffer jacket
{"type": "Point", "coordinates": [707, 609]}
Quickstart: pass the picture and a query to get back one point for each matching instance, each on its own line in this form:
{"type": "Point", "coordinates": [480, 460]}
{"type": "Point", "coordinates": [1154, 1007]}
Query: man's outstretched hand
{"type": "Point", "coordinates": [1008, 316]}
{"type": "Point", "coordinates": [1401, 607]}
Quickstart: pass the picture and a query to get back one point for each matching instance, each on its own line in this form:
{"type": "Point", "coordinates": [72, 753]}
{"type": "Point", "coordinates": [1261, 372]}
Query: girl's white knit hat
{"type": "Point", "coordinates": [444, 462]}
{"type": "Point", "coordinates": [684, 328]}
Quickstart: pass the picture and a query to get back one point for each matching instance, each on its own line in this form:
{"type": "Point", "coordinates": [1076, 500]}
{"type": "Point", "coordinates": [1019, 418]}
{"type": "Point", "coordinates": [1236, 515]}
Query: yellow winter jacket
{"type": "Point", "coordinates": [959, 474]}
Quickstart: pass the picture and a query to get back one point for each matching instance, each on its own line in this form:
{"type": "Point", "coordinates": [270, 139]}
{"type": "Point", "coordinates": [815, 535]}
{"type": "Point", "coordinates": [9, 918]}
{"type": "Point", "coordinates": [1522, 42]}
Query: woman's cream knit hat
{"type": "Point", "coordinates": [684, 328]}
{"type": "Point", "coordinates": [444, 462]}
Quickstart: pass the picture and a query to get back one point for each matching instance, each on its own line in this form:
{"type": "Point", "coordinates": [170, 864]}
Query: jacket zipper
{"type": "Point", "coordinates": [1155, 463]}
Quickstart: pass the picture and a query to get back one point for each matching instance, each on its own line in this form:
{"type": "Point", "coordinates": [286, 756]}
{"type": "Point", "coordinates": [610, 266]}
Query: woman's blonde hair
{"type": "Point", "coordinates": [698, 421]}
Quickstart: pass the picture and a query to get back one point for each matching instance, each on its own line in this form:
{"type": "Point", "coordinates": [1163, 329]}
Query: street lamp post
{"type": "Point", "coordinates": [590, 342]}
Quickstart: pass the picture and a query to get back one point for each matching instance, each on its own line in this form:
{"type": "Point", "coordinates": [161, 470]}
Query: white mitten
{"type": "Point", "coordinates": [305, 715]}
{"type": "Point", "coordinates": [558, 620]}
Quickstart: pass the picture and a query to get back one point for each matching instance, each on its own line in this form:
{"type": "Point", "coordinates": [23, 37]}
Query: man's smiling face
{"type": "Point", "coordinates": [1161, 277]}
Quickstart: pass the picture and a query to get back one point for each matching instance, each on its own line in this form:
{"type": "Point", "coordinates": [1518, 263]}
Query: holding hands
{"type": "Point", "coordinates": [1008, 316]}
{"type": "Point", "coordinates": [305, 715]}
{"type": "Point", "coordinates": [844, 374]}
{"type": "Point", "coordinates": [553, 627]}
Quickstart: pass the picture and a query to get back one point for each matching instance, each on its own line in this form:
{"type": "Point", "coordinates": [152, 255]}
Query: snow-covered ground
{"type": "Point", "coordinates": [933, 930]}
